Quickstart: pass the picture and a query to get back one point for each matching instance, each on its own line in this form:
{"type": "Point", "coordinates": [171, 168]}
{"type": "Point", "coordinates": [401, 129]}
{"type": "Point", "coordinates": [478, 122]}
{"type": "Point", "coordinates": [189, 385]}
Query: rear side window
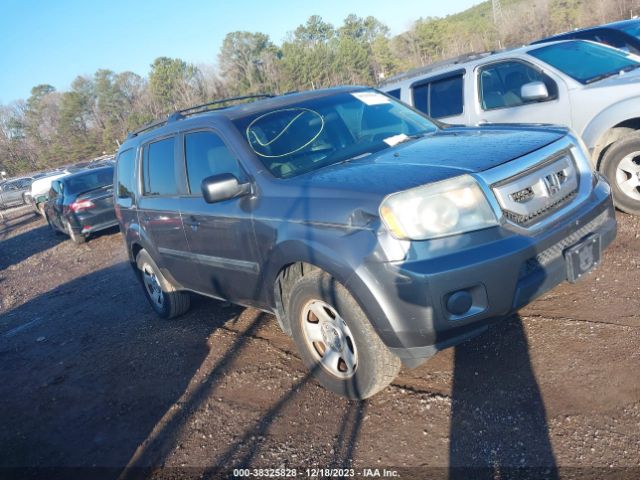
{"type": "Point", "coordinates": [125, 173]}
{"type": "Point", "coordinates": [440, 98]}
{"type": "Point", "coordinates": [158, 171]}
{"type": "Point", "coordinates": [395, 93]}
{"type": "Point", "coordinates": [421, 97]}
{"type": "Point", "coordinates": [207, 155]}
{"type": "Point", "coordinates": [445, 97]}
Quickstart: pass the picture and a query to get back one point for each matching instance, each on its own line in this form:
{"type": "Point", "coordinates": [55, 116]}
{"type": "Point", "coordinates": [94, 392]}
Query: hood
{"type": "Point", "coordinates": [447, 153]}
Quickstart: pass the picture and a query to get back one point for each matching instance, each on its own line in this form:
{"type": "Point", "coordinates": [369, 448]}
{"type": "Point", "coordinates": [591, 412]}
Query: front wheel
{"type": "Point", "coordinates": [165, 300]}
{"type": "Point", "coordinates": [621, 166]}
{"type": "Point", "coordinates": [336, 340]}
{"type": "Point", "coordinates": [53, 229]}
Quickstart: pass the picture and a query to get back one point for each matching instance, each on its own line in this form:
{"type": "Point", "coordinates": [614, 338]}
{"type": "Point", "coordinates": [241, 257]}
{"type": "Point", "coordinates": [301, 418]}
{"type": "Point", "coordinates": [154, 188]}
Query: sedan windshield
{"type": "Point", "coordinates": [85, 182]}
{"type": "Point", "coordinates": [331, 129]}
{"type": "Point", "coordinates": [584, 61]}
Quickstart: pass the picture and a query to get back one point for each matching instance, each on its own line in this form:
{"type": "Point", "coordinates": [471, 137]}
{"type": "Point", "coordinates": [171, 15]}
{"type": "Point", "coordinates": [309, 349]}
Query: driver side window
{"type": "Point", "coordinates": [501, 85]}
{"type": "Point", "coordinates": [207, 155]}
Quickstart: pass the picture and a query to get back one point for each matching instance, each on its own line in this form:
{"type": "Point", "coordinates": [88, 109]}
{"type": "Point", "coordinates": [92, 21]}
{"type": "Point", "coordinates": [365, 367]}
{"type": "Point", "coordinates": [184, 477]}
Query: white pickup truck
{"type": "Point", "coordinates": [589, 87]}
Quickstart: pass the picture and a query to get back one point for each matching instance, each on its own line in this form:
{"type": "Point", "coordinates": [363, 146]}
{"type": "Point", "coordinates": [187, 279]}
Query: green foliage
{"type": "Point", "coordinates": [169, 82]}
{"type": "Point", "coordinates": [242, 60]}
{"type": "Point", "coordinates": [53, 128]}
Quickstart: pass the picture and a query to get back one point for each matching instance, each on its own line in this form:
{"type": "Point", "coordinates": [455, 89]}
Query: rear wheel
{"type": "Point", "coordinates": [165, 300]}
{"type": "Point", "coordinates": [621, 166]}
{"type": "Point", "coordinates": [76, 238]}
{"type": "Point", "coordinates": [336, 340]}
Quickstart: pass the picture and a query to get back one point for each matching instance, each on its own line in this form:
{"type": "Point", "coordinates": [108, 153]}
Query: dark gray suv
{"type": "Point", "coordinates": [374, 234]}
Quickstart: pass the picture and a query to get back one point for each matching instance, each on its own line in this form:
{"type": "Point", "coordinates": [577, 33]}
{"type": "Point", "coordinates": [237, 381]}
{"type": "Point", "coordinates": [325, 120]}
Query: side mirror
{"type": "Point", "coordinates": [534, 91]}
{"type": "Point", "coordinates": [223, 187]}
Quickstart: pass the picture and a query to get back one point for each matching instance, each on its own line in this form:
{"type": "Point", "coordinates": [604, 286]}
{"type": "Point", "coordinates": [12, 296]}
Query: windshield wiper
{"type": "Point", "coordinates": [611, 74]}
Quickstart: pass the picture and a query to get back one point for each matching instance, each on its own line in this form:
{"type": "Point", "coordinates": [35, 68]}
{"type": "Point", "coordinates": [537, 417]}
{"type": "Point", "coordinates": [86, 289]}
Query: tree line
{"type": "Point", "coordinates": [53, 127]}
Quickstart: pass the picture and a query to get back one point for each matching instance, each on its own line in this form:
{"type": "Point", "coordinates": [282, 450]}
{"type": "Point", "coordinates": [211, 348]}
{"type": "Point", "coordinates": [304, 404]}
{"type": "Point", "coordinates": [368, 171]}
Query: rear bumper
{"type": "Point", "coordinates": [86, 225]}
{"type": "Point", "coordinates": [502, 270]}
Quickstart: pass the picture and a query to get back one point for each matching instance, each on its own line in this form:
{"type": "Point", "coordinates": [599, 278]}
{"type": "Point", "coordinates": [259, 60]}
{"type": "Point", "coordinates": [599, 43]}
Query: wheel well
{"type": "Point", "coordinates": [135, 250]}
{"type": "Point", "coordinates": [286, 278]}
{"type": "Point", "coordinates": [614, 134]}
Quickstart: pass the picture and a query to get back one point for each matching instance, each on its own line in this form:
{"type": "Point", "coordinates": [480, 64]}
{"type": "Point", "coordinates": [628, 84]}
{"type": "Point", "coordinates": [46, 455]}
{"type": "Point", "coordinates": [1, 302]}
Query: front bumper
{"type": "Point", "coordinates": [502, 269]}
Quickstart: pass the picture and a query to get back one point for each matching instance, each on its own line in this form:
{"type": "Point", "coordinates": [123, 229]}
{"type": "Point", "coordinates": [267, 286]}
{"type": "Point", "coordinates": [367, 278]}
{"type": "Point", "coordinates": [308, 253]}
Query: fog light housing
{"type": "Point", "coordinates": [459, 302]}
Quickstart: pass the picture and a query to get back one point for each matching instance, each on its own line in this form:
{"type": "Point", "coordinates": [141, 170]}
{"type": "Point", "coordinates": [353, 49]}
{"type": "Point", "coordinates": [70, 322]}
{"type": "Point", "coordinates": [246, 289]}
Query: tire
{"type": "Point", "coordinates": [77, 239]}
{"type": "Point", "coordinates": [347, 356]}
{"type": "Point", "coordinates": [165, 300]}
{"type": "Point", "coordinates": [621, 166]}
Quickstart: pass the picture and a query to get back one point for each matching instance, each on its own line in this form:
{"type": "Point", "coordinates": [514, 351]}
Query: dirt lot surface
{"type": "Point", "coordinates": [91, 378]}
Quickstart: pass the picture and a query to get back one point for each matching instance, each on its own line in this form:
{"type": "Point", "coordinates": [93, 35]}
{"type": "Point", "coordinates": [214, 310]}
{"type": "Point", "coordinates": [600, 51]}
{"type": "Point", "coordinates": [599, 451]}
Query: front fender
{"type": "Point", "coordinates": [342, 254]}
{"type": "Point", "coordinates": [597, 130]}
{"type": "Point", "coordinates": [336, 262]}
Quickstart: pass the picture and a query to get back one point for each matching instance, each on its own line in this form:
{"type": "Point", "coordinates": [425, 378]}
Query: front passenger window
{"type": "Point", "coordinates": [501, 84]}
{"type": "Point", "coordinates": [207, 155]}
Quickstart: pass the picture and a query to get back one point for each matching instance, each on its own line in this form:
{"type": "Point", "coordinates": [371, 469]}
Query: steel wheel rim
{"type": "Point", "coordinates": [628, 175]}
{"type": "Point", "coordinates": [329, 339]}
{"type": "Point", "coordinates": [152, 285]}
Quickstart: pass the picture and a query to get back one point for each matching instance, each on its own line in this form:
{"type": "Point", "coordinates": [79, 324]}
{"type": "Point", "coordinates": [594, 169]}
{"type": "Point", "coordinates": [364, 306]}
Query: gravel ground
{"type": "Point", "coordinates": [91, 378]}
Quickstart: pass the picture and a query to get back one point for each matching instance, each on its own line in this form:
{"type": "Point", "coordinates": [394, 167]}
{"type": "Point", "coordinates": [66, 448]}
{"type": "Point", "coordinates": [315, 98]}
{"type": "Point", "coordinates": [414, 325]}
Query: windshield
{"type": "Point", "coordinates": [86, 182]}
{"type": "Point", "coordinates": [584, 61]}
{"type": "Point", "coordinates": [323, 131]}
{"type": "Point", "coordinates": [632, 28]}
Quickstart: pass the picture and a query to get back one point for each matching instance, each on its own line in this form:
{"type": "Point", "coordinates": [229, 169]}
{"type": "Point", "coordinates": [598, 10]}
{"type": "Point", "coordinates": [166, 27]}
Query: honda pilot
{"type": "Point", "coordinates": [375, 235]}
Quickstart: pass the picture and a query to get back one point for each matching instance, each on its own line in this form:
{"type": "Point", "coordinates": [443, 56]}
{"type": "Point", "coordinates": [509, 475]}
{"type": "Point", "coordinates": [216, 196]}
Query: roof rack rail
{"type": "Point", "coordinates": [437, 66]}
{"type": "Point", "coordinates": [180, 114]}
{"type": "Point", "coordinates": [148, 126]}
{"type": "Point", "coordinates": [203, 107]}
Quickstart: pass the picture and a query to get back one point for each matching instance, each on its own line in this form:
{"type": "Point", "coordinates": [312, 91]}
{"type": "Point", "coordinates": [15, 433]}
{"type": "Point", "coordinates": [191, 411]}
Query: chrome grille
{"type": "Point", "coordinates": [532, 195]}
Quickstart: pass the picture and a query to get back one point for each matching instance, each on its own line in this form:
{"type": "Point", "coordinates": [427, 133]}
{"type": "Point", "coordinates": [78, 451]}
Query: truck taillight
{"type": "Point", "coordinates": [80, 205]}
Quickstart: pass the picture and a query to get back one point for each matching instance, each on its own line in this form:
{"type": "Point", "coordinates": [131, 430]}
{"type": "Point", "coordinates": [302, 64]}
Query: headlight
{"type": "Point", "coordinates": [448, 207]}
{"type": "Point", "coordinates": [581, 145]}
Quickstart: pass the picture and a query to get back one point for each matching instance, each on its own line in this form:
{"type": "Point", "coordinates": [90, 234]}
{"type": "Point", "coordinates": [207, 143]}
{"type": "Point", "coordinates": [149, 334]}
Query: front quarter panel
{"type": "Point", "coordinates": [595, 130]}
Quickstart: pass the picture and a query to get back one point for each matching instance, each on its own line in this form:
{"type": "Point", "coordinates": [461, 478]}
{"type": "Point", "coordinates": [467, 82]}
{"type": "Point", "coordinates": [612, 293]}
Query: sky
{"type": "Point", "coordinates": [52, 42]}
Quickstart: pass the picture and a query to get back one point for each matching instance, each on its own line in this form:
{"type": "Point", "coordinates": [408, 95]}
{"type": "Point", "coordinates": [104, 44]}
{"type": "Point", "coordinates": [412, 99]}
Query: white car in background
{"type": "Point", "coordinates": [40, 187]}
